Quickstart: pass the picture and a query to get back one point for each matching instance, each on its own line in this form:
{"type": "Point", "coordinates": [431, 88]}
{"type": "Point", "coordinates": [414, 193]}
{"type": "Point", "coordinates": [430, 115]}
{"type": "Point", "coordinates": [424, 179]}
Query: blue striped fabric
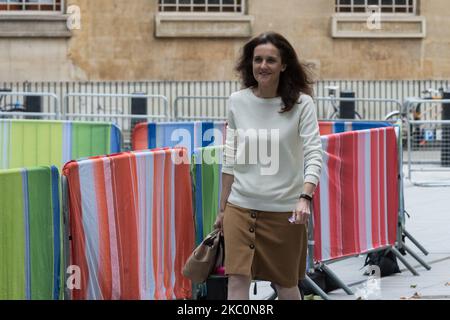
{"type": "Point", "coordinates": [190, 135]}
{"type": "Point", "coordinates": [345, 126]}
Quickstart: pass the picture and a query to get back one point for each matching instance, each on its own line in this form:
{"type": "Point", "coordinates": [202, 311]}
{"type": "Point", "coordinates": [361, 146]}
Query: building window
{"type": "Point", "coordinates": [202, 6]}
{"type": "Point", "coordinates": [386, 6]}
{"type": "Point", "coordinates": [32, 5]}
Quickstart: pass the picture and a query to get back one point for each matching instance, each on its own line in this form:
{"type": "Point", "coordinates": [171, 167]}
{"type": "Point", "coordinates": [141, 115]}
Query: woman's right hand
{"type": "Point", "coordinates": [219, 221]}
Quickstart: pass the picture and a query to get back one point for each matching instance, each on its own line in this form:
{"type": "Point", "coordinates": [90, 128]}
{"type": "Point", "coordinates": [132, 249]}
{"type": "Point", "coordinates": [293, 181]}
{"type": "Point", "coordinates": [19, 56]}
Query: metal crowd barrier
{"type": "Point", "coordinates": [145, 256]}
{"type": "Point", "coordinates": [19, 114]}
{"type": "Point", "coordinates": [428, 144]}
{"type": "Point", "coordinates": [361, 110]}
{"type": "Point", "coordinates": [119, 114]}
{"type": "Point", "coordinates": [205, 111]}
{"type": "Point", "coordinates": [324, 257]}
{"type": "Point", "coordinates": [110, 107]}
{"type": "Point", "coordinates": [395, 246]}
{"type": "Point", "coordinates": [197, 108]}
{"type": "Point", "coordinates": [31, 266]}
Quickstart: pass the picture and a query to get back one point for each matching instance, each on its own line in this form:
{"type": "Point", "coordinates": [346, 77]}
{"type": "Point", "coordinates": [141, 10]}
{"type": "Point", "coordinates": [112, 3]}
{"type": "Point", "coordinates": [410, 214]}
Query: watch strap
{"type": "Point", "coordinates": [306, 196]}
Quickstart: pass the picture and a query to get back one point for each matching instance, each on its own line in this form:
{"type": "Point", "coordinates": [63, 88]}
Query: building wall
{"type": "Point", "coordinates": [34, 60]}
{"type": "Point", "coordinates": [117, 42]}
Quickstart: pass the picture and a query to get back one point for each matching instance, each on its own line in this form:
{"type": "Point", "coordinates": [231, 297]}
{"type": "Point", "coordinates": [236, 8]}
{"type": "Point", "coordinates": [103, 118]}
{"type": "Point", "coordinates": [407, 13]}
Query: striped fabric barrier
{"type": "Point", "coordinates": [206, 171]}
{"type": "Point", "coordinates": [131, 224]}
{"type": "Point", "coordinates": [357, 202]}
{"type": "Point", "coordinates": [26, 143]}
{"type": "Point", "coordinates": [30, 234]}
{"type": "Point", "coordinates": [330, 127]}
{"type": "Point", "coordinates": [190, 135]}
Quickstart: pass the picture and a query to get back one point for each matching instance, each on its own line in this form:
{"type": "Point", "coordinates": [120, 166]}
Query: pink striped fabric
{"type": "Point", "coordinates": [131, 222]}
{"type": "Point", "coordinates": [356, 204]}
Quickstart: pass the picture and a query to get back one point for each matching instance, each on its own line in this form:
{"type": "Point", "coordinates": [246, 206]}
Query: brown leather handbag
{"type": "Point", "coordinates": [205, 258]}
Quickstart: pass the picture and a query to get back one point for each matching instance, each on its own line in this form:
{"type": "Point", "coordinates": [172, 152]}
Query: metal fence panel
{"type": "Point", "coordinates": [428, 145]}
{"type": "Point", "coordinates": [216, 109]}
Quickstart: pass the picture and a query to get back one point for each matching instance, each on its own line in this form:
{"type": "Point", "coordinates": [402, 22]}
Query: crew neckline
{"type": "Point", "coordinates": [274, 99]}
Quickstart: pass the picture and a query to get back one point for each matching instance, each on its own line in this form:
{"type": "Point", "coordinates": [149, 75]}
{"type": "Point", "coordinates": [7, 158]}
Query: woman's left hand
{"type": "Point", "coordinates": [302, 211]}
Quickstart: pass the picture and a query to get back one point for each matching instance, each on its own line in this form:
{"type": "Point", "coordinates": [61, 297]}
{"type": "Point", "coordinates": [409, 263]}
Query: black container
{"type": "Point", "coordinates": [33, 104]}
{"type": "Point", "coordinates": [347, 108]}
{"type": "Point", "coordinates": [138, 107]}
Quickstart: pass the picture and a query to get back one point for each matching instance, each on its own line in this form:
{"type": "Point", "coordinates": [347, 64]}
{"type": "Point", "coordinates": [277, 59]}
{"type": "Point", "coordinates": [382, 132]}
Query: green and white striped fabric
{"type": "Point", "coordinates": [206, 173]}
{"type": "Point", "coordinates": [30, 234]}
{"type": "Point", "coordinates": [27, 143]}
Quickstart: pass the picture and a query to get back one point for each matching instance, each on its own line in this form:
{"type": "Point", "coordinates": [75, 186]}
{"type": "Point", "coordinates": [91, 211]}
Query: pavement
{"type": "Point", "coordinates": [429, 224]}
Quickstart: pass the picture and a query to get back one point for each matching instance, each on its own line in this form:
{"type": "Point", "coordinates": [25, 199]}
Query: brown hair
{"type": "Point", "coordinates": [294, 80]}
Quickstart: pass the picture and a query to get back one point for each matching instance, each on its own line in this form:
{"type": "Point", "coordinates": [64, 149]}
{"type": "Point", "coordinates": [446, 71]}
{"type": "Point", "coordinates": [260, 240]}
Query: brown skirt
{"type": "Point", "coordinates": [264, 245]}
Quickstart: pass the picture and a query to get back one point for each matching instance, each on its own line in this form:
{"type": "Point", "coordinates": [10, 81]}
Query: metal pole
{"type": "Point", "coordinates": [403, 260]}
{"type": "Point", "coordinates": [413, 240]}
{"type": "Point", "coordinates": [408, 139]}
{"type": "Point", "coordinates": [175, 107]}
{"type": "Point", "coordinates": [415, 256]}
{"type": "Point", "coordinates": [316, 288]}
{"type": "Point", "coordinates": [65, 107]}
{"type": "Point", "coordinates": [336, 278]}
{"type": "Point", "coordinates": [401, 212]}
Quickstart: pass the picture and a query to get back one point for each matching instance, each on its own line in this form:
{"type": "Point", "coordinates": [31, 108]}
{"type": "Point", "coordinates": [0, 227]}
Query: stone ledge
{"type": "Point", "coordinates": [353, 26]}
{"type": "Point", "coordinates": [203, 25]}
{"type": "Point", "coordinates": [34, 26]}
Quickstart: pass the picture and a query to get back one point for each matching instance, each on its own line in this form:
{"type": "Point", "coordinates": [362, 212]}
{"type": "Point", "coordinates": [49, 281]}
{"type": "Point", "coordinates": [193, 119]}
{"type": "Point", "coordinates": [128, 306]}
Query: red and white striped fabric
{"type": "Point", "coordinates": [356, 204]}
{"type": "Point", "coordinates": [131, 223]}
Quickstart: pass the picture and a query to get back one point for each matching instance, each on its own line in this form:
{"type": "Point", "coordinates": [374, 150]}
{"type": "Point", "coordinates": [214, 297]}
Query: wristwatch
{"type": "Point", "coordinates": [306, 196]}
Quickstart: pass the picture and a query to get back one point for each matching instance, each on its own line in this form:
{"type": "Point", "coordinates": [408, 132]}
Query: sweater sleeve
{"type": "Point", "coordinates": [229, 154]}
{"type": "Point", "coordinates": [312, 146]}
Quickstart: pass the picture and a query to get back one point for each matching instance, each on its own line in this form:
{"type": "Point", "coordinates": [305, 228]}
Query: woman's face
{"type": "Point", "coordinates": [267, 65]}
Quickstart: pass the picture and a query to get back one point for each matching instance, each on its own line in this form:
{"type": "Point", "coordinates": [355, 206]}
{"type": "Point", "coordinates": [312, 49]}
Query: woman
{"type": "Point", "coordinates": [265, 204]}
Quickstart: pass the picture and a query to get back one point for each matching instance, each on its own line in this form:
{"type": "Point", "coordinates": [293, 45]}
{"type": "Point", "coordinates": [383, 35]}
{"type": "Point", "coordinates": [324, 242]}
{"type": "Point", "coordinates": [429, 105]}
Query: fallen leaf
{"type": "Point", "coordinates": [413, 285]}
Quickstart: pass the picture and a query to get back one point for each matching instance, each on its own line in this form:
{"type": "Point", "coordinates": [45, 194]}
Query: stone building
{"type": "Point", "coordinates": [103, 40]}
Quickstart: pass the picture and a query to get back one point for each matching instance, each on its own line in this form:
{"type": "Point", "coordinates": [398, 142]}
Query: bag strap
{"type": "Point", "coordinates": [220, 252]}
{"type": "Point", "coordinates": [209, 239]}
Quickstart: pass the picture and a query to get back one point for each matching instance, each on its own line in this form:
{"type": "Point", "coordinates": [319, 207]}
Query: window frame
{"type": "Point", "coordinates": [338, 5]}
{"type": "Point", "coordinates": [242, 6]}
{"type": "Point", "coordinates": [28, 6]}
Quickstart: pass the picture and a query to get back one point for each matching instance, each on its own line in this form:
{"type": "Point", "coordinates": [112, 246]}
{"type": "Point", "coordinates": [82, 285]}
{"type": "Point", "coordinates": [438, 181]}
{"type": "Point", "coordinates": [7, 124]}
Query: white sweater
{"type": "Point", "coordinates": [270, 154]}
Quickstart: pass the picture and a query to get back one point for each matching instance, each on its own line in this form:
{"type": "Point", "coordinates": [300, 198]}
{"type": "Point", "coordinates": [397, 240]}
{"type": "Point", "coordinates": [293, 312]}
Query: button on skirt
{"type": "Point", "coordinates": [264, 245]}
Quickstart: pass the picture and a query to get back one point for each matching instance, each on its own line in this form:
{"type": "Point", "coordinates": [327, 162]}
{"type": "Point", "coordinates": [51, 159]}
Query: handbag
{"type": "Point", "coordinates": [208, 256]}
